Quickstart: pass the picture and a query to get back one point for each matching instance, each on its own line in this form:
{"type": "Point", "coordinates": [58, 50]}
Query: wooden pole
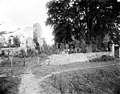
{"type": "Point", "coordinates": [24, 61]}
{"type": "Point", "coordinates": [113, 49]}
{"type": "Point", "coordinates": [8, 54]}
{"type": "Point", "coordinates": [38, 60]}
{"type": "Point", "coordinates": [0, 60]}
{"type": "Point", "coordinates": [11, 62]}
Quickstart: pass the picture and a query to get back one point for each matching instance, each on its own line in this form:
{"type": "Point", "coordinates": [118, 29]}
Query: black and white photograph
{"type": "Point", "coordinates": [59, 46]}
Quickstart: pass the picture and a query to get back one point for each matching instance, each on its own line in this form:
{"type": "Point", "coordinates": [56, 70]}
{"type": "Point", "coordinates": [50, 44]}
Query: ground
{"type": "Point", "coordinates": [33, 74]}
{"type": "Point", "coordinates": [37, 74]}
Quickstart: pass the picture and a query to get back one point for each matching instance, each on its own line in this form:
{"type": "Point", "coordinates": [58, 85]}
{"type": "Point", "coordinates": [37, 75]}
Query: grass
{"type": "Point", "coordinates": [10, 82]}
{"type": "Point", "coordinates": [104, 80]}
{"type": "Point", "coordinates": [45, 70]}
{"type": "Point", "coordinates": [9, 85]}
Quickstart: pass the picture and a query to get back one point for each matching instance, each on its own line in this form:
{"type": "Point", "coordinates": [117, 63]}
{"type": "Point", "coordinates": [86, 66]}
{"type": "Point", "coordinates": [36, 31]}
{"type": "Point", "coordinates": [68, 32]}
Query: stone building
{"type": "Point", "coordinates": [30, 43]}
{"type": "Point", "coordinates": [37, 33]}
{"type": "Point", "coordinates": [28, 36]}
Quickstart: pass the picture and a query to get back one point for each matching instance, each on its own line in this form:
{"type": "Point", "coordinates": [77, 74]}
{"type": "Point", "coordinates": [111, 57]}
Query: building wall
{"type": "Point", "coordinates": [26, 38]}
{"type": "Point", "coordinates": [37, 33]}
{"type": "Point", "coordinates": [29, 43]}
{"type": "Point", "coordinates": [28, 32]}
{"type": "Point", "coordinates": [23, 42]}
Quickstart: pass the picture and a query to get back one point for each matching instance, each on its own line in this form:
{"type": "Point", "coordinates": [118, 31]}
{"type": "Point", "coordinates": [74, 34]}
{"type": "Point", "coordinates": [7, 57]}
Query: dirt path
{"type": "Point", "coordinates": [29, 84]}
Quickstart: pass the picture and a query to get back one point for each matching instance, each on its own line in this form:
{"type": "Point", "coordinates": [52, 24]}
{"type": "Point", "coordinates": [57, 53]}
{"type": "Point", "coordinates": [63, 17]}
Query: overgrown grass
{"type": "Point", "coordinates": [89, 81]}
{"type": "Point", "coordinates": [8, 82]}
{"type": "Point", "coordinates": [9, 85]}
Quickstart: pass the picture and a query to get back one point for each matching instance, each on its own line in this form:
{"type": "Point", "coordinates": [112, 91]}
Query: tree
{"type": "Point", "coordinates": [13, 41]}
{"type": "Point", "coordinates": [16, 41]}
{"type": "Point", "coordinates": [9, 42]}
{"type": "Point", "coordinates": [2, 39]}
{"type": "Point", "coordinates": [84, 20]}
{"type": "Point", "coordinates": [37, 46]}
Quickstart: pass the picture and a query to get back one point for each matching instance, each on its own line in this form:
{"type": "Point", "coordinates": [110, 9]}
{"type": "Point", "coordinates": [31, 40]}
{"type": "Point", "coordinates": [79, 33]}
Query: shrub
{"type": "Point", "coordinates": [60, 82]}
{"type": "Point", "coordinates": [31, 53]}
{"type": "Point", "coordinates": [9, 85]}
{"type": "Point", "coordinates": [43, 55]}
{"type": "Point", "coordinates": [20, 54]}
{"type": "Point", "coordinates": [5, 63]}
{"type": "Point", "coordinates": [103, 58]}
{"type": "Point", "coordinates": [47, 49]}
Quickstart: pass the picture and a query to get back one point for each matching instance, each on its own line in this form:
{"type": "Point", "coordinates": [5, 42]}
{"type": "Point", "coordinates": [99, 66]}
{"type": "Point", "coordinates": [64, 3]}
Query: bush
{"type": "Point", "coordinates": [20, 54]}
{"type": "Point", "coordinates": [49, 50]}
{"type": "Point", "coordinates": [103, 58]}
{"type": "Point", "coordinates": [31, 53]}
{"type": "Point", "coordinates": [9, 85]}
{"type": "Point", "coordinates": [60, 82]}
{"type": "Point", "coordinates": [5, 63]}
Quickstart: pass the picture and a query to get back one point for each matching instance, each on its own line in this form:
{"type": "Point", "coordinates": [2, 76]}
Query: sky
{"type": "Point", "coordinates": [23, 13]}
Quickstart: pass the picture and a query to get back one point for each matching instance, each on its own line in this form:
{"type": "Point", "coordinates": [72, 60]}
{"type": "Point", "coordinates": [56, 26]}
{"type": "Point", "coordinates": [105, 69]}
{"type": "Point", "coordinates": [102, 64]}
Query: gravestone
{"type": "Point", "coordinates": [116, 50]}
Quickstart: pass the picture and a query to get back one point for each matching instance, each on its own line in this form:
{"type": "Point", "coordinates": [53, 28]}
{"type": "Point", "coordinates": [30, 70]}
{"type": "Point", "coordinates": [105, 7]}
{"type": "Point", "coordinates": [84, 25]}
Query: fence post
{"type": "Point", "coordinates": [0, 60]}
{"type": "Point", "coordinates": [11, 62]}
{"type": "Point", "coordinates": [38, 60]}
{"type": "Point", "coordinates": [113, 49]}
{"type": "Point", "coordinates": [24, 61]}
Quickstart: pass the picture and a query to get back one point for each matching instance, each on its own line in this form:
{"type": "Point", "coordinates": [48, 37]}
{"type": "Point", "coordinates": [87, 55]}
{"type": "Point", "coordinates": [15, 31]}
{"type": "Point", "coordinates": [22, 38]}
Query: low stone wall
{"type": "Point", "coordinates": [60, 59]}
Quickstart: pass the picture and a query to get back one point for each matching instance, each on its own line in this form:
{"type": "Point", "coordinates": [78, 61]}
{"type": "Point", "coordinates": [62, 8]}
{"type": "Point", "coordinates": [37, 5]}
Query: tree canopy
{"type": "Point", "coordinates": [84, 20]}
{"type": "Point", "coordinates": [16, 41]}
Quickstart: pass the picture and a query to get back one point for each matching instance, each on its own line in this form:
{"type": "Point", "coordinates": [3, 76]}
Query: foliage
{"type": "Point", "coordinates": [60, 82]}
{"type": "Point", "coordinates": [9, 42]}
{"type": "Point", "coordinates": [5, 63]}
{"type": "Point", "coordinates": [31, 53]}
{"type": "Point", "coordinates": [103, 58]}
{"type": "Point", "coordinates": [83, 19]}
{"type": "Point", "coordinates": [49, 49]}
{"type": "Point", "coordinates": [37, 47]}
{"type": "Point", "coordinates": [21, 54]}
{"type": "Point", "coordinates": [9, 85]}
{"type": "Point", "coordinates": [2, 40]}
{"type": "Point", "coordinates": [3, 32]}
{"type": "Point", "coordinates": [1, 44]}
{"type": "Point", "coordinates": [16, 41]}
